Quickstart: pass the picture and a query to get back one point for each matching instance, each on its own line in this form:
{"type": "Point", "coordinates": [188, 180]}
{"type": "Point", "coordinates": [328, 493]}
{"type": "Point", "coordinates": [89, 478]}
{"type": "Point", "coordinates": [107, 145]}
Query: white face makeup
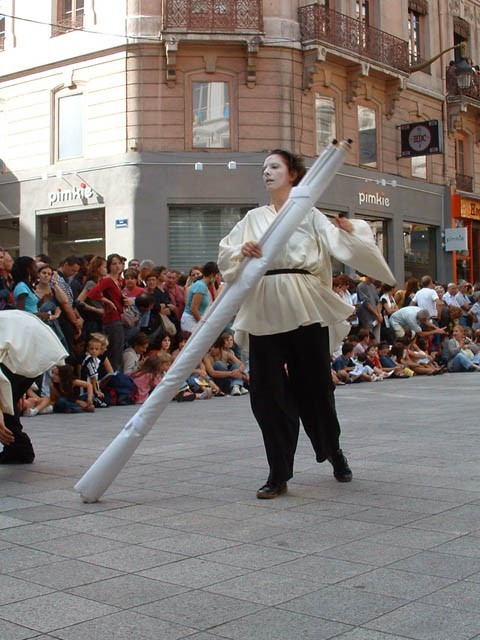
{"type": "Point", "coordinates": [275, 173]}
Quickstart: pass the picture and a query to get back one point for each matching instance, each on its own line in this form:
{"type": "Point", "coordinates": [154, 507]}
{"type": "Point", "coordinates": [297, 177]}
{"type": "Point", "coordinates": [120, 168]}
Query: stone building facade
{"type": "Point", "coordinates": [140, 126]}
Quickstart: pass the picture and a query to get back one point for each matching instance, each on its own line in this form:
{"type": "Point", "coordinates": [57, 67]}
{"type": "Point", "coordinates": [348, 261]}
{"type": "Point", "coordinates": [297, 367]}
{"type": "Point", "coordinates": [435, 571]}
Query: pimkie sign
{"type": "Point", "coordinates": [83, 192]}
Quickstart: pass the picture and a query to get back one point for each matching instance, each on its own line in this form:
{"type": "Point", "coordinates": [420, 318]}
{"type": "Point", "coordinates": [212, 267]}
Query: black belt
{"type": "Point", "coordinates": [274, 272]}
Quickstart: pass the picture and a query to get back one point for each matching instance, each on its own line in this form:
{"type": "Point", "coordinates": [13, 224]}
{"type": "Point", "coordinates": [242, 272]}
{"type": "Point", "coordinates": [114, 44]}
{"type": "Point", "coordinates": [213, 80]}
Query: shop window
{"type": "Point", "coordinates": [69, 16]}
{"type": "Point", "coordinates": [419, 245]}
{"type": "Point", "coordinates": [211, 115]}
{"type": "Point", "coordinates": [367, 136]}
{"type": "Point", "coordinates": [69, 126]}
{"type": "Point", "coordinates": [195, 231]}
{"type": "Point", "coordinates": [325, 117]}
{"type": "Point", "coordinates": [419, 167]}
{"type": "Point", "coordinates": [78, 233]}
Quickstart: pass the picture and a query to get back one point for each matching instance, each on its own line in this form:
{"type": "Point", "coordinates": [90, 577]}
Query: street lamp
{"type": "Point", "coordinates": [464, 74]}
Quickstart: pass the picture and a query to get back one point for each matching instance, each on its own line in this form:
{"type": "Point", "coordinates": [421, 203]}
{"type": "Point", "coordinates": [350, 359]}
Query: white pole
{"type": "Point", "coordinates": [104, 470]}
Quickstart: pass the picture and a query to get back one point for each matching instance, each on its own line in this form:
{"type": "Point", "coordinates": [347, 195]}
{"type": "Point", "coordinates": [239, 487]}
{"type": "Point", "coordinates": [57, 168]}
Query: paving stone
{"type": "Point", "coordinates": [350, 606]}
{"type": "Point", "coordinates": [65, 574]}
{"type": "Point", "coordinates": [464, 596]}
{"type": "Point", "coordinates": [439, 564]}
{"type": "Point", "coordinates": [132, 558]}
{"type": "Point", "coordinates": [127, 591]}
{"type": "Point", "coordinates": [53, 611]}
{"type": "Point", "coordinates": [251, 556]}
{"type": "Point", "coordinates": [281, 625]}
{"type": "Point", "coordinates": [13, 589]}
{"type": "Point", "coordinates": [199, 609]}
{"type": "Point", "coordinates": [427, 622]}
{"type": "Point", "coordinates": [126, 625]}
{"type": "Point", "coordinates": [193, 572]}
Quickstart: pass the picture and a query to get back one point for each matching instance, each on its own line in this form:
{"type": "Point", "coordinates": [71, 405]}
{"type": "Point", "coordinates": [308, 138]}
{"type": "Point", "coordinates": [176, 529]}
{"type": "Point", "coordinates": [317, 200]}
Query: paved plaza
{"type": "Point", "coordinates": [179, 546]}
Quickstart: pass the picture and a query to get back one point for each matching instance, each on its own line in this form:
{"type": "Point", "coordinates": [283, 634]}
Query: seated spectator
{"type": "Point", "coordinates": [132, 356]}
{"type": "Point", "coordinates": [89, 371]}
{"type": "Point", "coordinates": [362, 372]}
{"type": "Point", "coordinates": [460, 353]}
{"type": "Point", "coordinates": [364, 337]}
{"type": "Point", "coordinates": [182, 337]}
{"type": "Point", "coordinates": [419, 360]}
{"type": "Point", "coordinates": [373, 360]}
{"type": "Point", "coordinates": [68, 393]}
{"type": "Point", "coordinates": [225, 369]}
{"type": "Point", "coordinates": [148, 375]}
{"type": "Point", "coordinates": [343, 364]}
{"type": "Point", "coordinates": [33, 404]}
{"type": "Point", "coordinates": [388, 363]}
{"type": "Point", "coordinates": [119, 389]}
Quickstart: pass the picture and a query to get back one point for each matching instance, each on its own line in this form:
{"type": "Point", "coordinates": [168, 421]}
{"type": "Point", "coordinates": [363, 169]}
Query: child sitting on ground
{"type": "Point", "coordinates": [148, 375]}
{"type": "Point", "coordinates": [65, 391]}
{"type": "Point", "coordinates": [89, 371]}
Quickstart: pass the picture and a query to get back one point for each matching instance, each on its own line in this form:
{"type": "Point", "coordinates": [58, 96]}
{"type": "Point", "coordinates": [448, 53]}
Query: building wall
{"type": "Point", "coordinates": [137, 123]}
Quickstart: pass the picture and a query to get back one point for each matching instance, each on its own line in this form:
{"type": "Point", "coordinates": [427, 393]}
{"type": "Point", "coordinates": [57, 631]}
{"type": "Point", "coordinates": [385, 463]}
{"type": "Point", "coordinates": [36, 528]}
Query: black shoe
{"type": "Point", "coordinates": [271, 490]}
{"type": "Point", "coordinates": [9, 458]}
{"type": "Point", "coordinates": [341, 470]}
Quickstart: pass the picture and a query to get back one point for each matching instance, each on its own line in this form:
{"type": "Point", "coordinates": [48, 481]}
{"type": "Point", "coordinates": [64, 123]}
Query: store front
{"type": "Point", "coordinates": [466, 214]}
{"type": "Point", "coordinates": [72, 233]}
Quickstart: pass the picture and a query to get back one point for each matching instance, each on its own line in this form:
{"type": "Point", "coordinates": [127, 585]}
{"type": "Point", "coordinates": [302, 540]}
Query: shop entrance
{"type": "Point", "coordinates": [72, 233]}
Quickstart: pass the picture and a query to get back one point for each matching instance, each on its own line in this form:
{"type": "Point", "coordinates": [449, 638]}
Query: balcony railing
{"type": "Point", "coordinates": [464, 183]}
{"type": "Point", "coordinates": [317, 23]}
{"type": "Point", "coordinates": [68, 23]}
{"type": "Point", "coordinates": [224, 16]}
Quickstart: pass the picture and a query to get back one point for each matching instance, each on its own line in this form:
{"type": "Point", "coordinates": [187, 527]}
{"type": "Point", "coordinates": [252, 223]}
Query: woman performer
{"type": "Point", "coordinates": [290, 316]}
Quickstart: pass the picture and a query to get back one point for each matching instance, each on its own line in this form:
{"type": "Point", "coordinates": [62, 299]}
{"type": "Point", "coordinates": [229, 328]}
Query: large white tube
{"type": "Point", "coordinates": [104, 470]}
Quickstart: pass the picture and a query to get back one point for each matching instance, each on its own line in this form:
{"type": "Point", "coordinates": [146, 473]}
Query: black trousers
{"type": "Point", "coordinates": [290, 380]}
{"type": "Point", "coordinates": [22, 449]}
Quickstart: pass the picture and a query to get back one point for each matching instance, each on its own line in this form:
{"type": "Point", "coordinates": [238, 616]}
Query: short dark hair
{"type": "Point", "coordinates": [210, 269]}
{"type": "Point", "coordinates": [70, 260]}
{"type": "Point", "coordinates": [347, 347]}
{"type": "Point", "coordinates": [112, 257]}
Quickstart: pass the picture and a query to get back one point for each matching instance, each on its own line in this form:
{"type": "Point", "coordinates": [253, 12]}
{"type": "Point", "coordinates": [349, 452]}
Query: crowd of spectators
{"type": "Point", "coordinates": [124, 323]}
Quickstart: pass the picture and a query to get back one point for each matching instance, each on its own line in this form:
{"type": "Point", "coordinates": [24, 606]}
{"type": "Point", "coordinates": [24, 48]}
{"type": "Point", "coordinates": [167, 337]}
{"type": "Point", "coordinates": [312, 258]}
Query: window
{"type": "Point", "coordinates": [416, 25]}
{"type": "Point", "coordinates": [76, 233]}
{"type": "Point", "coordinates": [211, 115]}
{"type": "Point", "coordinates": [70, 126]}
{"type": "Point", "coordinates": [362, 11]}
{"type": "Point", "coordinates": [2, 31]}
{"type": "Point", "coordinates": [463, 177]}
{"type": "Point", "coordinates": [414, 42]}
{"type": "Point", "coordinates": [325, 121]}
{"type": "Point", "coordinates": [419, 245]}
{"type": "Point", "coordinates": [69, 16]}
{"type": "Point", "coordinates": [419, 167]}
{"type": "Point", "coordinates": [367, 136]}
{"type": "Point", "coordinates": [195, 231]}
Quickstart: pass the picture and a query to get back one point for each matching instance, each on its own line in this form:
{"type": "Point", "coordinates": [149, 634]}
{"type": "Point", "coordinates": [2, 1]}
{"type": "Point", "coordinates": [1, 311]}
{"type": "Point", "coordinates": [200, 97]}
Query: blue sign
{"type": "Point", "coordinates": [121, 223]}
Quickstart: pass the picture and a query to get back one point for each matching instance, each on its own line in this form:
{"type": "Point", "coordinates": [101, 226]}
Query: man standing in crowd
{"type": "Point", "coordinates": [70, 321]}
{"type": "Point", "coordinates": [463, 301]}
{"type": "Point", "coordinates": [368, 312]}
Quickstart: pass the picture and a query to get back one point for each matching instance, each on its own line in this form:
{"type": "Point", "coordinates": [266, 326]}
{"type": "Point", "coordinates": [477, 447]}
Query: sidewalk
{"type": "Point", "coordinates": [179, 547]}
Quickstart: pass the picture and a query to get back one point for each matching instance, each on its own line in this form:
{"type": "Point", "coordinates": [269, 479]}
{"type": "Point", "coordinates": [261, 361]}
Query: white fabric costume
{"type": "Point", "coordinates": [283, 302]}
{"type": "Point", "coordinates": [28, 347]}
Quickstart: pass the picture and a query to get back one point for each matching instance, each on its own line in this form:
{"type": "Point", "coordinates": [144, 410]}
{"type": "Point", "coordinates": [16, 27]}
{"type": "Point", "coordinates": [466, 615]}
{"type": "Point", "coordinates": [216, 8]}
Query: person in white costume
{"type": "Point", "coordinates": [28, 348]}
{"type": "Point", "coordinates": [294, 320]}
